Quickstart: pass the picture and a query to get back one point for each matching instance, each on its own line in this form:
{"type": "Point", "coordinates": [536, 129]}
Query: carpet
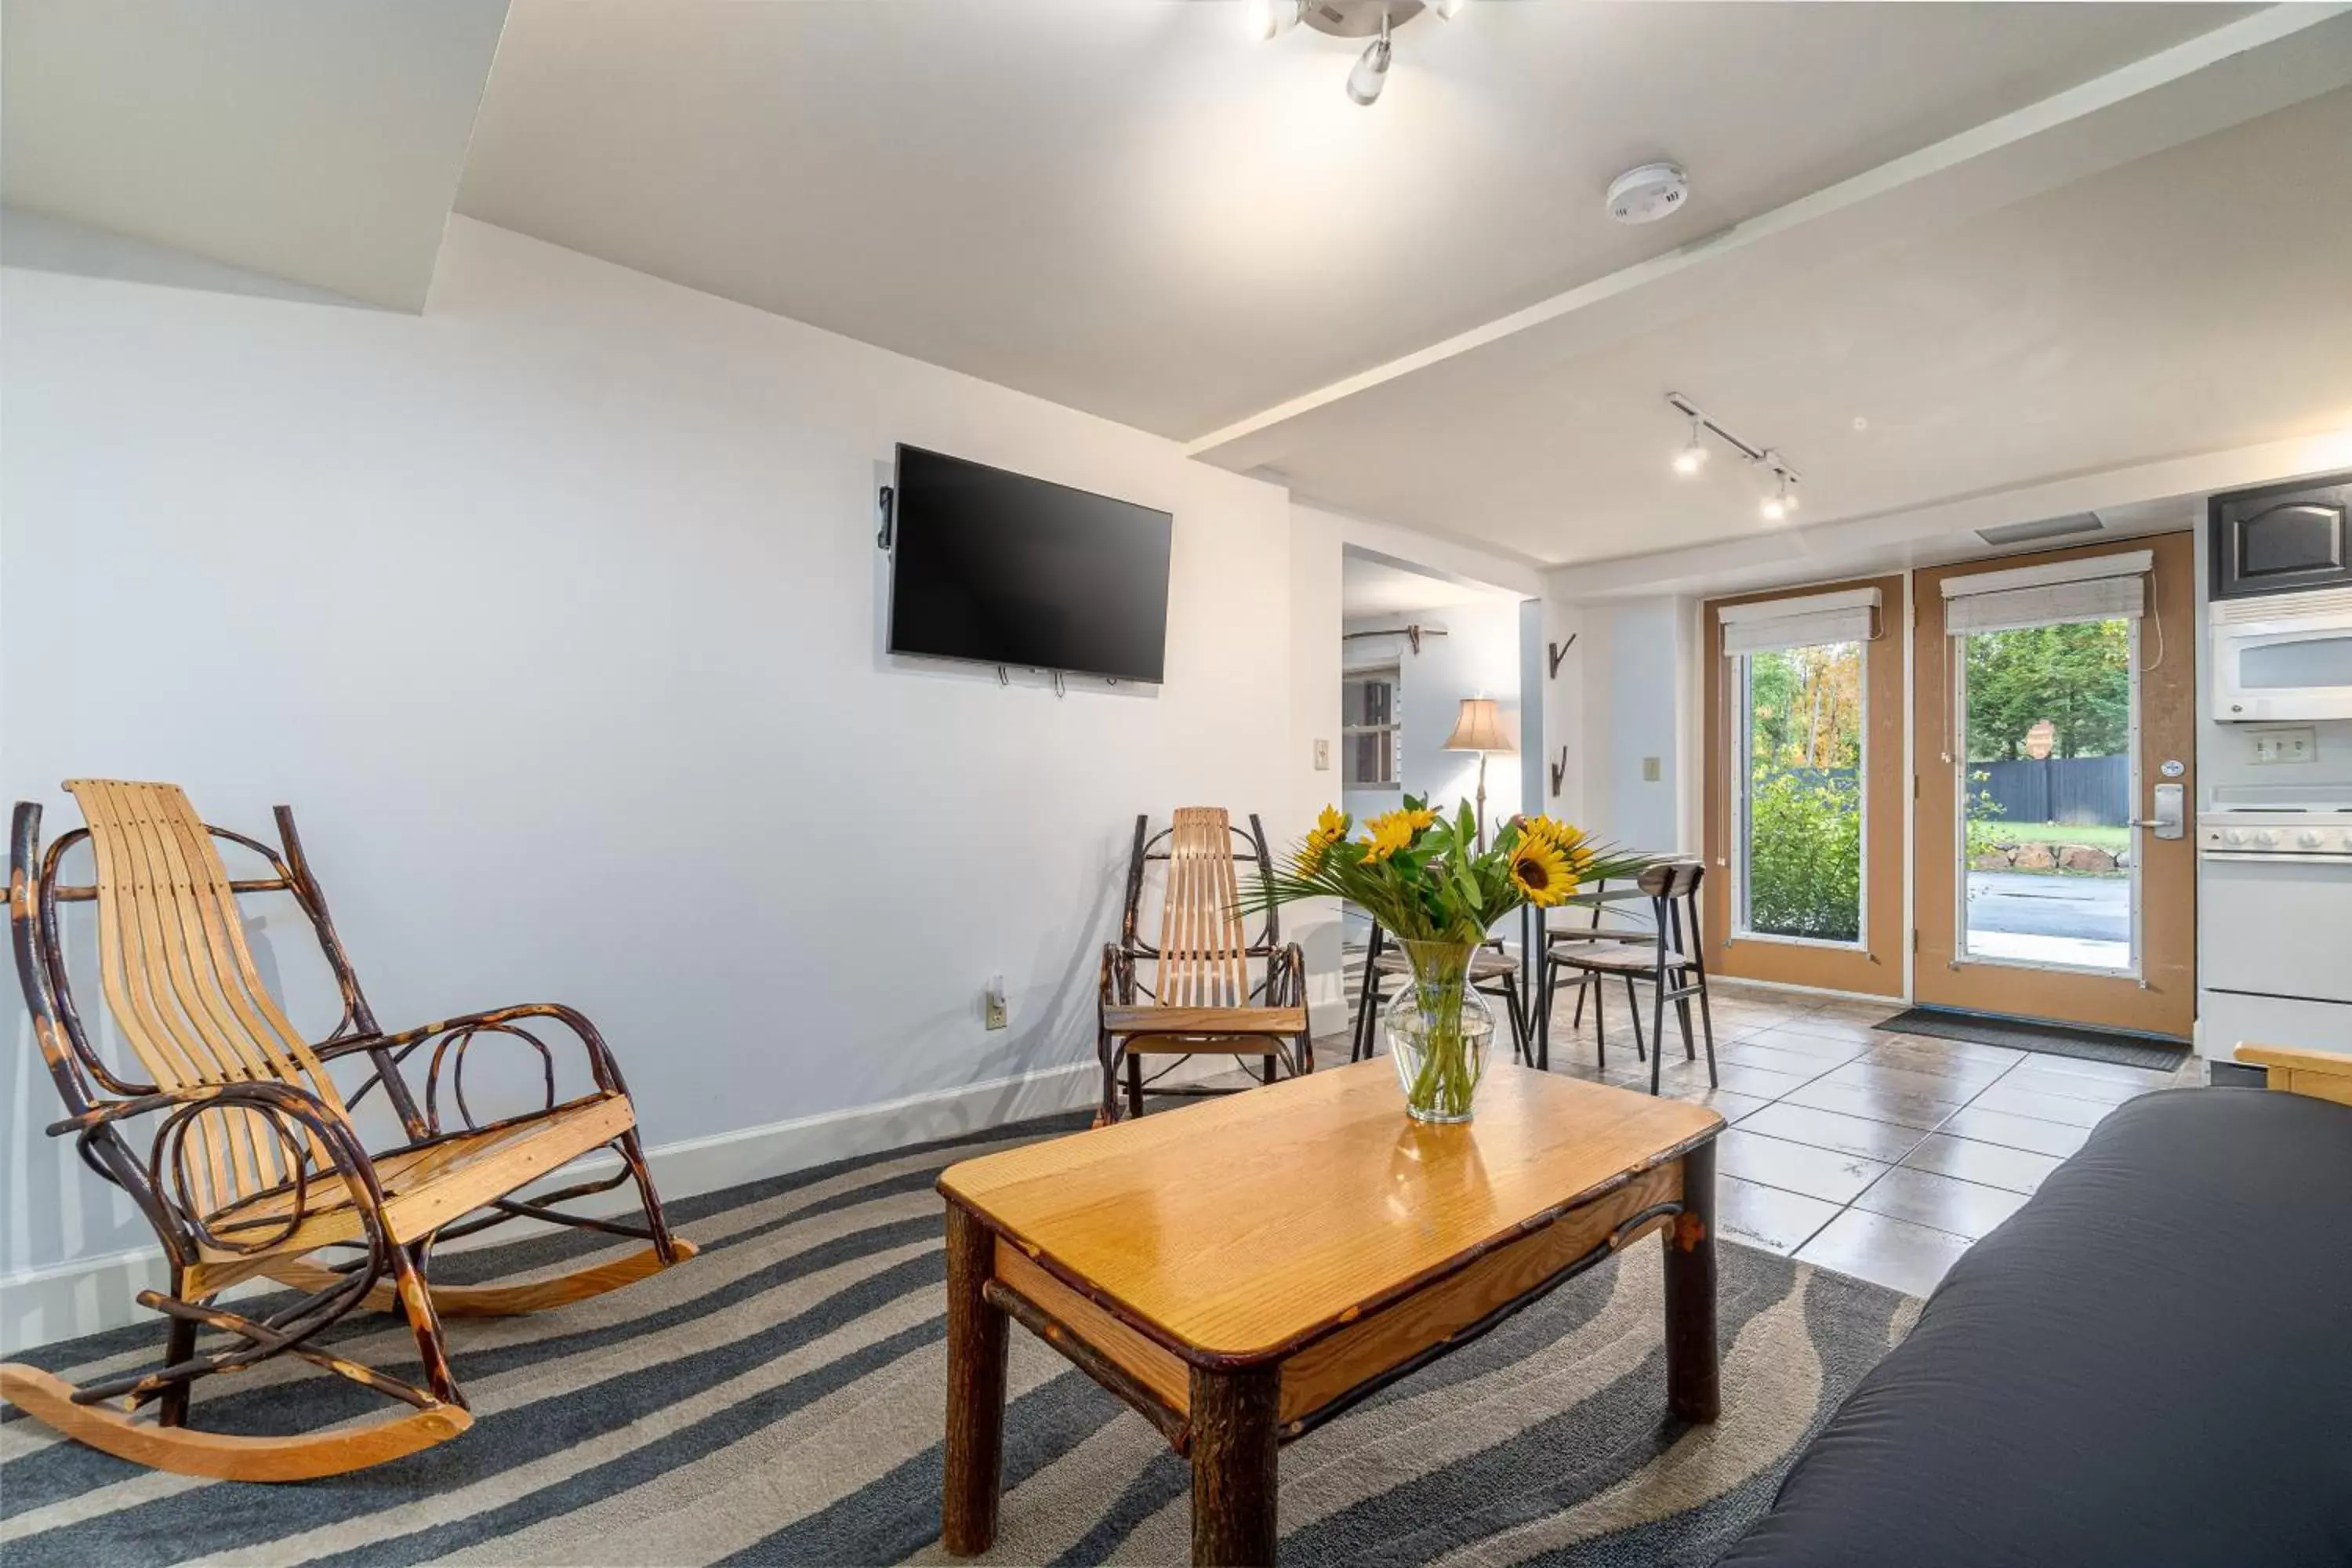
{"type": "Point", "coordinates": [779, 1400]}
{"type": "Point", "coordinates": [2151, 1051]}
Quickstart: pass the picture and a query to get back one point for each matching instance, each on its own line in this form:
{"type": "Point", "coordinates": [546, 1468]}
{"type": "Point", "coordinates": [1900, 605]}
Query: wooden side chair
{"type": "Point", "coordinates": [1598, 928]}
{"type": "Point", "coordinates": [251, 1162]}
{"type": "Point", "coordinates": [1492, 971]}
{"type": "Point", "coordinates": [1671, 962]}
{"type": "Point", "coordinates": [1200, 999]}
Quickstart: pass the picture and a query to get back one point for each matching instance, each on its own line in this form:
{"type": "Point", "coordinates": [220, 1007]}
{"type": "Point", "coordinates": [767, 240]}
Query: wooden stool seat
{"type": "Point", "coordinates": [1484, 965]}
{"type": "Point", "coordinates": [1626, 958]}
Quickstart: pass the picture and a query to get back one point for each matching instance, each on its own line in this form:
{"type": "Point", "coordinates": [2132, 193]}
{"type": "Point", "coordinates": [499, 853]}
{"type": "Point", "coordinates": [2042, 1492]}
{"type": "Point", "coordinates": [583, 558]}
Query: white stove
{"type": "Point", "coordinates": [2274, 956]}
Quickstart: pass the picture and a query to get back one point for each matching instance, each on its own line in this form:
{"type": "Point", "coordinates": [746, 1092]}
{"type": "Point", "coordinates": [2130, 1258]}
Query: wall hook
{"type": "Point", "coordinates": [1558, 652]}
{"type": "Point", "coordinates": [1558, 771]}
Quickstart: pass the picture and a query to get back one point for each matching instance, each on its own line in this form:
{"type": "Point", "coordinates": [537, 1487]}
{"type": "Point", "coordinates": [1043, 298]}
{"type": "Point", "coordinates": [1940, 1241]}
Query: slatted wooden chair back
{"type": "Point", "coordinates": [1203, 949]}
{"type": "Point", "coordinates": [183, 988]}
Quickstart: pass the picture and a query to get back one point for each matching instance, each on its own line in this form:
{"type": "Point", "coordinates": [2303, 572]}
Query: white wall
{"type": "Point", "coordinates": [1477, 657]}
{"type": "Point", "coordinates": [1625, 694]}
{"type": "Point", "coordinates": [555, 614]}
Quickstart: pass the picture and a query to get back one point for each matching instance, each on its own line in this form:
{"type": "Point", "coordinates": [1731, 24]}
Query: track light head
{"type": "Point", "coordinates": [1782, 501]}
{"type": "Point", "coordinates": [1693, 457]}
{"type": "Point", "coordinates": [1269, 19]}
{"type": "Point", "coordinates": [1371, 72]}
{"type": "Point", "coordinates": [1447, 9]}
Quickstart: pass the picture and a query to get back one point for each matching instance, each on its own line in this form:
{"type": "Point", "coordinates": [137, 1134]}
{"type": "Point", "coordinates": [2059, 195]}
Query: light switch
{"type": "Point", "coordinates": [1322, 756]}
{"type": "Point", "coordinates": [1653, 770]}
{"type": "Point", "coordinates": [2295, 746]}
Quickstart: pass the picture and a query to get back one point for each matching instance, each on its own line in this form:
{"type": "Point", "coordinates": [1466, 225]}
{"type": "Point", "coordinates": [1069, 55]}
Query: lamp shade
{"type": "Point", "coordinates": [1480, 728]}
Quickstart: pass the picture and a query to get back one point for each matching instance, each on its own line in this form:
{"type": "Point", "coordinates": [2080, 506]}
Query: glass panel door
{"type": "Point", "coordinates": [2046, 778]}
{"type": "Point", "coordinates": [1799, 799]}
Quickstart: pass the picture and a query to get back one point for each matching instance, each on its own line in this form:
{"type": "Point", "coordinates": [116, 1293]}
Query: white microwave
{"type": "Point", "coordinates": [2283, 655]}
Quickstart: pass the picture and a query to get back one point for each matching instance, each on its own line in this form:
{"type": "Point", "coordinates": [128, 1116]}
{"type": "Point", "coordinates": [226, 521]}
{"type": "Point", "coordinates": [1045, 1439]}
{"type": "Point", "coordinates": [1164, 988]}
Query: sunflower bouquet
{"type": "Point", "coordinates": [1437, 890]}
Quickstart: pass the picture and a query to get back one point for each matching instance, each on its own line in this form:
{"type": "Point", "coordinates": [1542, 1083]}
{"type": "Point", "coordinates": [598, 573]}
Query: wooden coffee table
{"type": "Point", "coordinates": [1244, 1270]}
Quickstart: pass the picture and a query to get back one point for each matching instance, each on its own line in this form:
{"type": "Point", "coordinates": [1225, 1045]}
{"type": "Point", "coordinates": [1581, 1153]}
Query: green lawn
{"type": "Point", "coordinates": [2110, 839]}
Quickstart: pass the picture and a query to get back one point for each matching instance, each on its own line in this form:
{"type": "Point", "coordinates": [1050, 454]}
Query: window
{"type": "Point", "coordinates": [1367, 728]}
{"type": "Point", "coordinates": [1798, 792]}
{"type": "Point", "coordinates": [2046, 786]}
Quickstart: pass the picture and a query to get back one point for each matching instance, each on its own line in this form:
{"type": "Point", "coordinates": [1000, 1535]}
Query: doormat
{"type": "Point", "coordinates": [2151, 1051]}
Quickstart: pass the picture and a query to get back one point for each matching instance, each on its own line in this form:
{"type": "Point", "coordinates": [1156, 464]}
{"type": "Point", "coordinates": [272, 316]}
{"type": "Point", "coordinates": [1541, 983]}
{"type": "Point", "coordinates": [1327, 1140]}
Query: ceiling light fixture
{"type": "Point", "coordinates": [1371, 72]}
{"type": "Point", "coordinates": [1783, 499]}
{"type": "Point", "coordinates": [1269, 19]}
{"type": "Point", "coordinates": [1372, 19]}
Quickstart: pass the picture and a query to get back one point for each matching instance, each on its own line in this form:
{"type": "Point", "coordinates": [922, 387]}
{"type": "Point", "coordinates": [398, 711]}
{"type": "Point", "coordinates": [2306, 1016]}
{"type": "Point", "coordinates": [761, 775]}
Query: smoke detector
{"type": "Point", "coordinates": [1648, 194]}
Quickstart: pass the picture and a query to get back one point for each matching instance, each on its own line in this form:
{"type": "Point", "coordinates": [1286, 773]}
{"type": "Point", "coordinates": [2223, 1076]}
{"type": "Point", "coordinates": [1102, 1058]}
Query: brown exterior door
{"type": "Point", "coordinates": [1804, 826]}
{"type": "Point", "coordinates": [2039, 890]}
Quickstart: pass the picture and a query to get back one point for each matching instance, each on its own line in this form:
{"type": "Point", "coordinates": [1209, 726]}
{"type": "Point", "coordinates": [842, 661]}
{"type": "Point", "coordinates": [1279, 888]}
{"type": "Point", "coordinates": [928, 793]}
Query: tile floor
{"type": "Point", "coordinates": [1876, 1154]}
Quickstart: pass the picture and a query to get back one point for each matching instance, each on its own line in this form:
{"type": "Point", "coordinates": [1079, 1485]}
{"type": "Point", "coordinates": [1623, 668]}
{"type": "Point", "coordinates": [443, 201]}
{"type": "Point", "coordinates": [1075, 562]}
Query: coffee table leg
{"type": "Point", "coordinates": [1691, 1373]}
{"type": "Point", "coordinates": [975, 1445]}
{"type": "Point", "coordinates": [1233, 1441]}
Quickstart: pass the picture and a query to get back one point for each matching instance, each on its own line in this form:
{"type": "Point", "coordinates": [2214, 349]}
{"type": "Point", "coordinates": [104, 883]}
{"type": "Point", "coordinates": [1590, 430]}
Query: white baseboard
{"type": "Point", "coordinates": [84, 1296]}
{"type": "Point", "coordinates": [1897, 1003]}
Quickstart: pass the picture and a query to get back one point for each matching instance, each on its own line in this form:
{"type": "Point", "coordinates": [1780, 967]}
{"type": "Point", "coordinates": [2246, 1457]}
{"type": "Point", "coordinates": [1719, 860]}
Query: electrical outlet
{"type": "Point", "coordinates": [1653, 770]}
{"type": "Point", "coordinates": [992, 1002]}
{"type": "Point", "coordinates": [2296, 745]}
{"type": "Point", "coordinates": [1322, 756]}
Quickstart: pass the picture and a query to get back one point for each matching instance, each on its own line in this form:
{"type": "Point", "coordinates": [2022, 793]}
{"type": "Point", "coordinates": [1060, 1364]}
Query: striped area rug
{"type": "Point", "coordinates": [779, 1400]}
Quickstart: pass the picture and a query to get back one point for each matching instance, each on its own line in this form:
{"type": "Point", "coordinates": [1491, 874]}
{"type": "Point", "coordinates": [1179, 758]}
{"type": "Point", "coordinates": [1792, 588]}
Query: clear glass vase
{"type": "Point", "coordinates": [1439, 1031]}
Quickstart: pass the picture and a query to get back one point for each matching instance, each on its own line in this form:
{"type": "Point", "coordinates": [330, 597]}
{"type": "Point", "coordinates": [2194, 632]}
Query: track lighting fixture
{"type": "Point", "coordinates": [1372, 19]}
{"type": "Point", "coordinates": [1371, 72]}
{"type": "Point", "coordinates": [1778, 505]}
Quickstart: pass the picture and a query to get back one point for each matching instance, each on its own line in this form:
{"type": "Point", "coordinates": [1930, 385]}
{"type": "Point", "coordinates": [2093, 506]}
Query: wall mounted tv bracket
{"type": "Point", "coordinates": [889, 502]}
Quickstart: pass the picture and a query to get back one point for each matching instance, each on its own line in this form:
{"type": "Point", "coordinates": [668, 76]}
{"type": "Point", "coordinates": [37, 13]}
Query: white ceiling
{"type": "Point", "coordinates": [2195, 300]}
{"type": "Point", "coordinates": [1128, 207]}
{"type": "Point", "coordinates": [1933, 254]}
{"type": "Point", "coordinates": [1373, 587]}
{"type": "Point", "coordinates": [316, 142]}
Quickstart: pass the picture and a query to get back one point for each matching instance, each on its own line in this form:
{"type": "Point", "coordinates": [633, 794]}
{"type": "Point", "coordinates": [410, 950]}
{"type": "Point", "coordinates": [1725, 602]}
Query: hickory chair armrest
{"type": "Point", "coordinates": [456, 1035]}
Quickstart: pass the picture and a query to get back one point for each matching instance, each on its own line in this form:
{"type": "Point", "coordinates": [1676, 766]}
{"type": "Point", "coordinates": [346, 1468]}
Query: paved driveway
{"type": "Point", "coordinates": [2088, 909]}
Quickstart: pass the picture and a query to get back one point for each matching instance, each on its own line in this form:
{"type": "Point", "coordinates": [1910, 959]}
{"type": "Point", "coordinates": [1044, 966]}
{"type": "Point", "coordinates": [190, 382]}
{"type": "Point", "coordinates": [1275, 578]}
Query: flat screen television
{"type": "Point", "coordinates": [998, 568]}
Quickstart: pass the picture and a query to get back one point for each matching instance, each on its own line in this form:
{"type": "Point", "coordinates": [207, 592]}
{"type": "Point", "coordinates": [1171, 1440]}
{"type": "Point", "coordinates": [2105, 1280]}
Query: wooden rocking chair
{"type": "Point", "coordinates": [255, 1162]}
{"type": "Point", "coordinates": [1200, 999]}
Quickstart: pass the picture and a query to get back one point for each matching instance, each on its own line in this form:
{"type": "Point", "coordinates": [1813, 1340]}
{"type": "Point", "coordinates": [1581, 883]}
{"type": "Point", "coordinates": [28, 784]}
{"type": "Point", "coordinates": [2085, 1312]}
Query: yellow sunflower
{"type": "Point", "coordinates": [1574, 844]}
{"type": "Point", "coordinates": [1540, 871]}
{"type": "Point", "coordinates": [1386, 834]}
{"type": "Point", "coordinates": [1330, 829]}
{"type": "Point", "coordinates": [1420, 818]}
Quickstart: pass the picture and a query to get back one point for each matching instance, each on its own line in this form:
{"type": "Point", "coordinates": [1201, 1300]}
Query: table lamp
{"type": "Point", "coordinates": [1480, 730]}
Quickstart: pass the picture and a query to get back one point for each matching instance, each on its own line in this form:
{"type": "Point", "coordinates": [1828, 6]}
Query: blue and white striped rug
{"type": "Point", "coordinates": [779, 1399]}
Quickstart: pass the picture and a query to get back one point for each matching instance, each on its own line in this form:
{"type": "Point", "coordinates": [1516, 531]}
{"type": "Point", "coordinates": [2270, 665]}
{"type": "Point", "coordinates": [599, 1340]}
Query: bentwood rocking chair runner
{"type": "Point", "coordinates": [1200, 999]}
{"type": "Point", "coordinates": [252, 1162]}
